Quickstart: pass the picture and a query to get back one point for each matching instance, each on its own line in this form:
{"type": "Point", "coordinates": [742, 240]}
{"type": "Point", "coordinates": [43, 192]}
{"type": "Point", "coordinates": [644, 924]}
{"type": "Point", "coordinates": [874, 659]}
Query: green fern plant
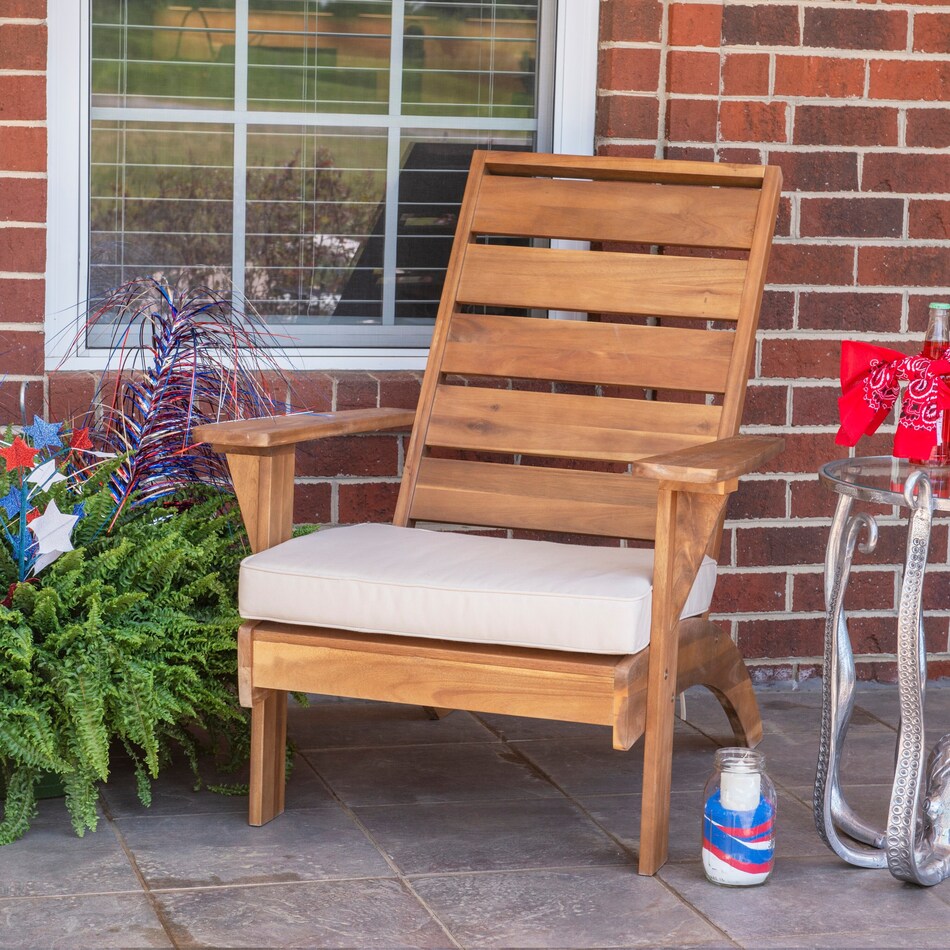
{"type": "Point", "coordinates": [128, 641]}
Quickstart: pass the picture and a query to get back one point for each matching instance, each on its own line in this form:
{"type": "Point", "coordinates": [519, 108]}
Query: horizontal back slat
{"type": "Point", "coordinates": [565, 426]}
{"type": "Point", "coordinates": [616, 168]}
{"type": "Point", "coordinates": [601, 282]}
{"type": "Point", "coordinates": [583, 352]}
{"type": "Point", "coordinates": [543, 499]}
{"type": "Point", "coordinates": [616, 211]}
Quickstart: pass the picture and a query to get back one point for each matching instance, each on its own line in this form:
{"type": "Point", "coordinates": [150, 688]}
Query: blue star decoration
{"type": "Point", "coordinates": [43, 433]}
{"type": "Point", "coordinates": [11, 503]}
{"type": "Point", "coordinates": [79, 509]}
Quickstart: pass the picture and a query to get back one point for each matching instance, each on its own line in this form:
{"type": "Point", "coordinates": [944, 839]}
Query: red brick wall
{"type": "Point", "coordinates": [850, 99]}
{"type": "Point", "coordinates": [22, 203]}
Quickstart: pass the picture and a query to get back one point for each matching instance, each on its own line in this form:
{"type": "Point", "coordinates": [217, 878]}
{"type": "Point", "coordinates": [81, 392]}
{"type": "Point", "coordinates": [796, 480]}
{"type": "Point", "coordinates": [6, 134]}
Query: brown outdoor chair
{"type": "Point", "coordinates": [596, 427]}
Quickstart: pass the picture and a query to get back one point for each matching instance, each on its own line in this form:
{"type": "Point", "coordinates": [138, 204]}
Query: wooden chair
{"type": "Point", "coordinates": [649, 423]}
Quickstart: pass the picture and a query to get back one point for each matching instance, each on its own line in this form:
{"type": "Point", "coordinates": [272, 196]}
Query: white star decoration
{"type": "Point", "coordinates": [45, 476]}
{"type": "Point", "coordinates": [52, 530]}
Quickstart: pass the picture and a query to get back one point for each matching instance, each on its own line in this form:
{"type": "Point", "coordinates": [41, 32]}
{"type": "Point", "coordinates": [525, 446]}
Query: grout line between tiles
{"type": "Point", "coordinates": [6, 898]}
{"type": "Point", "coordinates": [153, 901]}
{"type": "Point", "coordinates": [625, 849]}
{"type": "Point", "coordinates": [397, 871]}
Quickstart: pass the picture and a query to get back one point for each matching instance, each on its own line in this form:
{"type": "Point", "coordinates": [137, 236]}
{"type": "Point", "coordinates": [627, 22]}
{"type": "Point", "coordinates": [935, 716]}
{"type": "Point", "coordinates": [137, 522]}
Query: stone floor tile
{"type": "Point", "coordinates": [868, 759]}
{"type": "Point", "coordinates": [870, 802]}
{"type": "Point", "coordinates": [489, 836]}
{"type": "Point", "coordinates": [364, 914]}
{"type": "Point", "coordinates": [784, 713]}
{"type": "Point", "coordinates": [208, 850]}
{"type": "Point", "coordinates": [910, 939]}
{"type": "Point", "coordinates": [795, 832]}
{"type": "Point", "coordinates": [428, 774]}
{"type": "Point", "coordinates": [809, 896]}
{"type": "Point", "coordinates": [74, 923]}
{"type": "Point", "coordinates": [52, 859]}
{"type": "Point", "coordinates": [173, 792]}
{"type": "Point", "coordinates": [351, 725]}
{"type": "Point", "coordinates": [593, 767]}
{"type": "Point", "coordinates": [602, 907]}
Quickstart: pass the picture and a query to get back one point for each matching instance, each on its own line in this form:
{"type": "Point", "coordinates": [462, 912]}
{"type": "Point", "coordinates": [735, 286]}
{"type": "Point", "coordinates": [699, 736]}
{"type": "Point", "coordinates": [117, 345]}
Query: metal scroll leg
{"type": "Point", "coordinates": [918, 849]}
{"type": "Point", "coordinates": [832, 814]}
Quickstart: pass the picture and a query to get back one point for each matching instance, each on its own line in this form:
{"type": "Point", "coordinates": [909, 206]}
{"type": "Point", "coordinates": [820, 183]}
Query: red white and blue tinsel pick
{"type": "Point", "coordinates": [180, 360]}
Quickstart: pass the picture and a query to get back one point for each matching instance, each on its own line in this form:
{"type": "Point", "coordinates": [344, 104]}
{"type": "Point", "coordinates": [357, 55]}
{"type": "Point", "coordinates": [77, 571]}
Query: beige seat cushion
{"type": "Point", "coordinates": [453, 586]}
{"type": "Point", "coordinates": [380, 578]}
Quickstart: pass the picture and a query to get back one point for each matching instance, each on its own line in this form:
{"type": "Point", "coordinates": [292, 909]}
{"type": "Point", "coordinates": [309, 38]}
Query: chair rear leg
{"type": "Point", "coordinates": [742, 708]}
{"type": "Point", "coordinates": [709, 658]}
{"type": "Point", "coordinates": [268, 749]}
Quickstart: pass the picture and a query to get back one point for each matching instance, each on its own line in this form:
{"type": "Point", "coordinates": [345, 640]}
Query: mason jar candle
{"type": "Point", "coordinates": [739, 819]}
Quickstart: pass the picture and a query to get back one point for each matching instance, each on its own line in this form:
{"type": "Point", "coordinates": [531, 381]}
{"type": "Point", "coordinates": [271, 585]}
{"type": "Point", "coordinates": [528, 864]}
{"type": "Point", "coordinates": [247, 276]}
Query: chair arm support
{"type": "Point", "coordinates": [711, 463]}
{"type": "Point", "coordinates": [254, 435]}
{"type": "Point", "coordinates": [260, 454]}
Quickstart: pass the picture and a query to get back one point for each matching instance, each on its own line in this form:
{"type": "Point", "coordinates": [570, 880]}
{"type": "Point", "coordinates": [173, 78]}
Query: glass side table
{"type": "Point", "coordinates": [915, 846]}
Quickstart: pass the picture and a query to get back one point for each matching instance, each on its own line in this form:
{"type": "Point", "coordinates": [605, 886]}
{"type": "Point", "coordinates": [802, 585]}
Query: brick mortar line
{"type": "Point", "coordinates": [908, 7]}
{"type": "Point", "coordinates": [22, 72]}
{"type": "Point", "coordinates": [23, 123]}
{"type": "Point", "coordinates": [10, 225]}
{"type": "Point", "coordinates": [797, 52]}
{"type": "Point", "coordinates": [821, 240]}
{"type": "Point", "coordinates": [789, 147]}
{"type": "Point", "coordinates": [17, 275]}
{"type": "Point", "coordinates": [22, 21]}
{"type": "Point", "coordinates": [14, 174]}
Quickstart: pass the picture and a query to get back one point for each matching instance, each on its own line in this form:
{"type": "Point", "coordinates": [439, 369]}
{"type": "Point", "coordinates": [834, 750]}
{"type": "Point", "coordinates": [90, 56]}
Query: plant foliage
{"type": "Point", "coordinates": [126, 641]}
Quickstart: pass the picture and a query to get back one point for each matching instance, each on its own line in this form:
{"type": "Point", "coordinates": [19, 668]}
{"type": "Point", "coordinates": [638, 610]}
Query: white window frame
{"type": "Point", "coordinates": [575, 89]}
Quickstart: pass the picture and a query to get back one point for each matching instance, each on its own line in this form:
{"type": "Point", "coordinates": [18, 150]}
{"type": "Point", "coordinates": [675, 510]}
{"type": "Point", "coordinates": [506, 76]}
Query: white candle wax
{"type": "Point", "coordinates": [740, 791]}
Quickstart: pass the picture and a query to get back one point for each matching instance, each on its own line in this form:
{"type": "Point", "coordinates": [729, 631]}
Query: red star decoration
{"type": "Point", "coordinates": [80, 439]}
{"type": "Point", "coordinates": [35, 513]}
{"type": "Point", "coordinates": [18, 455]}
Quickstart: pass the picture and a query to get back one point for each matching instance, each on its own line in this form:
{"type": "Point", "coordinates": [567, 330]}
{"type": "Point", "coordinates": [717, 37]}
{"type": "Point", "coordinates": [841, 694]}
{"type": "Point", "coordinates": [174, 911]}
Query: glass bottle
{"type": "Point", "coordinates": [739, 819]}
{"type": "Point", "coordinates": [936, 340]}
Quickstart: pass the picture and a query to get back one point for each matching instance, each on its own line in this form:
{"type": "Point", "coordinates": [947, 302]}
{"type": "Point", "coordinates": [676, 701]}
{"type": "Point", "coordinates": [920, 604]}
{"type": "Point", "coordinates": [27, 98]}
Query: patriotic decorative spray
{"type": "Point", "coordinates": [178, 360]}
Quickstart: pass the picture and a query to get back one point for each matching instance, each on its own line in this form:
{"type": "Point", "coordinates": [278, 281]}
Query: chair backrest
{"type": "Point", "coordinates": [673, 283]}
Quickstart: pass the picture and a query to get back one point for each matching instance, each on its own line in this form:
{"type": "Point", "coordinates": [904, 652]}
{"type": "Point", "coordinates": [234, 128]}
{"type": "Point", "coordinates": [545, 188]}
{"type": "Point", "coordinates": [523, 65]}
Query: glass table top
{"type": "Point", "coordinates": [881, 478]}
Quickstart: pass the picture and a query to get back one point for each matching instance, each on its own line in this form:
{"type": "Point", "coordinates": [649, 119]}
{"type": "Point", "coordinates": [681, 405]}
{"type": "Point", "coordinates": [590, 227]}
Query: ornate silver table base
{"type": "Point", "coordinates": [916, 844]}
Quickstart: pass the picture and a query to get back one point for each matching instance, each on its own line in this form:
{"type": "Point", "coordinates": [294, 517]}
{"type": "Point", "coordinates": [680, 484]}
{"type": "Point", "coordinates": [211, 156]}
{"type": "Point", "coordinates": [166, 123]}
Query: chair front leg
{"type": "Point", "coordinates": [686, 521]}
{"type": "Point", "coordinates": [268, 745]}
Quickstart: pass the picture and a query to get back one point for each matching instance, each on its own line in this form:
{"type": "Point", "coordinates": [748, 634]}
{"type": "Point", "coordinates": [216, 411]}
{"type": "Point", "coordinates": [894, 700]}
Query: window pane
{"type": "Point", "coordinates": [470, 58]}
{"type": "Point", "coordinates": [315, 201]}
{"type": "Point", "coordinates": [319, 55]}
{"type": "Point", "coordinates": [160, 204]}
{"type": "Point", "coordinates": [161, 52]}
{"type": "Point", "coordinates": [431, 184]}
{"type": "Point", "coordinates": [349, 184]}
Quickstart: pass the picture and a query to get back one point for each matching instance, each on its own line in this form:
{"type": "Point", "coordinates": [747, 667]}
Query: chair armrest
{"type": "Point", "coordinates": [255, 435]}
{"type": "Point", "coordinates": [260, 455]}
{"type": "Point", "coordinates": [711, 463]}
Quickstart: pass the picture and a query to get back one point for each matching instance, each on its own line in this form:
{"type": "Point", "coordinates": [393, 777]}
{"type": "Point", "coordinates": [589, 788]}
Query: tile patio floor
{"type": "Point", "coordinates": [473, 831]}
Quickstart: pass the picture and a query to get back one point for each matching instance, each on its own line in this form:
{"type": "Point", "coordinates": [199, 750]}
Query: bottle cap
{"type": "Point", "coordinates": [939, 306]}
